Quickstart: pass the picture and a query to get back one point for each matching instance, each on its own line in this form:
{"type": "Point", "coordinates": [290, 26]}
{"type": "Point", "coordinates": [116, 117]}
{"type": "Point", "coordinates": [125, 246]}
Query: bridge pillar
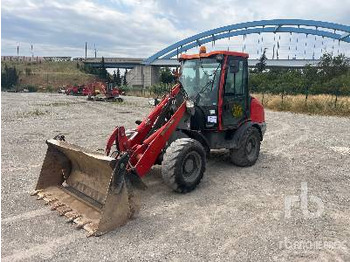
{"type": "Point", "coordinates": [142, 76]}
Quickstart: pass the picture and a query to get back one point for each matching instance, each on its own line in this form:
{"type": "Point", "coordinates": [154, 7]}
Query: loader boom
{"type": "Point", "coordinates": [142, 130]}
{"type": "Point", "coordinates": [144, 145]}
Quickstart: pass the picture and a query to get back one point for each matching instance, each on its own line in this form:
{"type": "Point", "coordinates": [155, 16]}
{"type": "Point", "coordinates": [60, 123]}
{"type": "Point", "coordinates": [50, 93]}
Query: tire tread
{"type": "Point", "coordinates": [238, 156]}
{"type": "Point", "coordinates": [170, 161]}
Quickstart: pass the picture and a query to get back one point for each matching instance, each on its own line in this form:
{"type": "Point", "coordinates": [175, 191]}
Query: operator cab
{"type": "Point", "coordinates": [217, 84]}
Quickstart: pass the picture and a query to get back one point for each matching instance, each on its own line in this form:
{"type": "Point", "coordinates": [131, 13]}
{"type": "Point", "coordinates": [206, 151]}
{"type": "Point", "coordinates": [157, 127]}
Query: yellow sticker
{"type": "Point", "coordinates": [237, 110]}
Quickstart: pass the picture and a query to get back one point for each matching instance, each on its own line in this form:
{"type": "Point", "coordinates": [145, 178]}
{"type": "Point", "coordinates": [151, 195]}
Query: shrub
{"type": "Point", "coordinates": [159, 89]}
{"type": "Point", "coordinates": [124, 89]}
{"type": "Point", "coordinates": [32, 88]}
{"type": "Point", "coordinates": [49, 89]}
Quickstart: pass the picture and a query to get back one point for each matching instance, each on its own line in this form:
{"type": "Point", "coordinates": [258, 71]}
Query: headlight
{"type": "Point", "coordinates": [189, 104]}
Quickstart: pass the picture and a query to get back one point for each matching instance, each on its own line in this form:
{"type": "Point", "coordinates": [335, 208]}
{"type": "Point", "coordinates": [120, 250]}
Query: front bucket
{"type": "Point", "coordinates": [90, 189]}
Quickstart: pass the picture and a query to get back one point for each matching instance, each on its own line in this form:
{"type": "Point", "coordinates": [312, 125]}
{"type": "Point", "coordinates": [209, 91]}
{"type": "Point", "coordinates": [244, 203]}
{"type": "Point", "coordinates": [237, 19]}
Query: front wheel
{"type": "Point", "coordinates": [248, 152]}
{"type": "Point", "coordinates": [183, 165]}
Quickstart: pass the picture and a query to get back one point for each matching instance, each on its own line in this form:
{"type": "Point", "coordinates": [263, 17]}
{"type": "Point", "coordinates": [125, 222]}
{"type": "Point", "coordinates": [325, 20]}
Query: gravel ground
{"type": "Point", "coordinates": [236, 214]}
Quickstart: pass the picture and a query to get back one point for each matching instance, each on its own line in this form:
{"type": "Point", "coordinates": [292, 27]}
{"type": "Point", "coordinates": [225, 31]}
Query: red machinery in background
{"type": "Point", "coordinates": [76, 90]}
{"type": "Point", "coordinates": [99, 91]}
{"type": "Point", "coordinates": [96, 91]}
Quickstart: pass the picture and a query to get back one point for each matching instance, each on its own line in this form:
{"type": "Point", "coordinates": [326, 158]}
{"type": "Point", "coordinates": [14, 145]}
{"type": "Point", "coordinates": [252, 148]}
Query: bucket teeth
{"type": "Point", "coordinates": [91, 229]}
{"type": "Point", "coordinates": [50, 201]}
{"type": "Point", "coordinates": [56, 205]}
{"type": "Point", "coordinates": [71, 216]}
{"type": "Point", "coordinates": [90, 234]}
{"type": "Point", "coordinates": [40, 197]}
{"type": "Point", "coordinates": [63, 210]}
{"type": "Point", "coordinates": [81, 222]}
{"type": "Point", "coordinates": [35, 192]}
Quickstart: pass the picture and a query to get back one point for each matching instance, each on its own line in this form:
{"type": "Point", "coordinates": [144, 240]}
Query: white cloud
{"type": "Point", "coordinates": [140, 28]}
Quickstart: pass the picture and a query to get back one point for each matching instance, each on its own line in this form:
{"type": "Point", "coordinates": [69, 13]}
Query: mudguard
{"type": "Point", "coordinates": [243, 128]}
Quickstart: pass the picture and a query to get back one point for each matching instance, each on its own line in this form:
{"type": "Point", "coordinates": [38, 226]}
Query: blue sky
{"type": "Point", "coordinates": [135, 28]}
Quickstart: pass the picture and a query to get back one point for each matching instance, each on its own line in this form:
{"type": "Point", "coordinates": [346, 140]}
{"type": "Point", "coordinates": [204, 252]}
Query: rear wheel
{"type": "Point", "coordinates": [183, 165]}
{"type": "Point", "coordinates": [248, 152]}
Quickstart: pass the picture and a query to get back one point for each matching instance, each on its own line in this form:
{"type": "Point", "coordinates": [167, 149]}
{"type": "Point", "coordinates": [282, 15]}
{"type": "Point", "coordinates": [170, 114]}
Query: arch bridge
{"type": "Point", "coordinates": [334, 31]}
{"type": "Point", "coordinates": [145, 71]}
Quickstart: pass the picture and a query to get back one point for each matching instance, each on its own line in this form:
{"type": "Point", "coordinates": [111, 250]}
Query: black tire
{"type": "Point", "coordinates": [248, 152]}
{"type": "Point", "coordinates": [183, 164]}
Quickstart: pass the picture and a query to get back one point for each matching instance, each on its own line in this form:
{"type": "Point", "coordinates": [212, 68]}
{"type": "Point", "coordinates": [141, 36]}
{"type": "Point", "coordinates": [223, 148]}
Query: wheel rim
{"type": "Point", "coordinates": [191, 166]}
{"type": "Point", "coordinates": [251, 148]}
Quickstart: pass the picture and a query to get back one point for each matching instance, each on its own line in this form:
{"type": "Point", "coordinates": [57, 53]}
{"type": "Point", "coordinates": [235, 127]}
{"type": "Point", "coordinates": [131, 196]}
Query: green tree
{"type": "Point", "coordinates": [103, 74]}
{"type": "Point", "coordinates": [159, 89]}
{"type": "Point", "coordinates": [90, 70]}
{"type": "Point", "coordinates": [166, 76]}
{"type": "Point", "coordinates": [124, 78]}
{"type": "Point", "coordinates": [332, 67]}
{"type": "Point", "coordinates": [273, 79]}
{"type": "Point", "coordinates": [9, 77]}
{"type": "Point", "coordinates": [334, 72]}
{"type": "Point", "coordinates": [296, 82]}
{"type": "Point", "coordinates": [118, 78]}
{"type": "Point", "coordinates": [337, 86]}
{"type": "Point", "coordinates": [258, 84]}
{"type": "Point", "coordinates": [340, 65]}
{"type": "Point", "coordinates": [261, 65]}
{"type": "Point", "coordinates": [4, 78]}
{"type": "Point", "coordinates": [114, 77]}
{"type": "Point", "coordinates": [310, 78]}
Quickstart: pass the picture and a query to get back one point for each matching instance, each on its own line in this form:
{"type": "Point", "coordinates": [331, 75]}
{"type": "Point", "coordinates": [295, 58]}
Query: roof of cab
{"type": "Point", "coordinates": [203, 55]}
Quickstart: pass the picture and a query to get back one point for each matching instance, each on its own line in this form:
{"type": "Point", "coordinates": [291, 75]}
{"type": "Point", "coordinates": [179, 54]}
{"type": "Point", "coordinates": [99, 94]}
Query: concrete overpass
{"type": "Point", "coordinates": [114, 62]}
{"type": "Point", "coordinates": [130, 63]}
{"type": "Point", "coordinates": [142, 75]}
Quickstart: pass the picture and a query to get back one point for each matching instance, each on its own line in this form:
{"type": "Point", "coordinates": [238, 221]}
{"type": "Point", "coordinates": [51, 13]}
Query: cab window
{"type": "Point", "coordinates": [234, 85]}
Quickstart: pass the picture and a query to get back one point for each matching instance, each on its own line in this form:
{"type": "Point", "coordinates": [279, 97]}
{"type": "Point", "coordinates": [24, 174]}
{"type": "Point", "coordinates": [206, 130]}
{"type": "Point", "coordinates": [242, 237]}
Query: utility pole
{"type": "Point", "coordinates": [32, 49]}
{"type": "Point", "coordinates": [17, 49]}
{"type": "Point", "coordinates": [85, 50]}
{"type": "Point", "coordinates": [95, 50]}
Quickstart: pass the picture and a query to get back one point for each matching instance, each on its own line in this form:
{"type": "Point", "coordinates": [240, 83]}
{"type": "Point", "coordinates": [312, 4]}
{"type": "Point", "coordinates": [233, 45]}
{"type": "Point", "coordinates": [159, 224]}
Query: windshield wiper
{"type": "Point", "coordinates": [209, 82]}
{"type": "Point", "coordinates": [203, 89]}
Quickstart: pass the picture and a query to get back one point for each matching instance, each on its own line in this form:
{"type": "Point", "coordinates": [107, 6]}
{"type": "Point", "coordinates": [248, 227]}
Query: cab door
{"type": "Point", "coordinates": [235, 93]}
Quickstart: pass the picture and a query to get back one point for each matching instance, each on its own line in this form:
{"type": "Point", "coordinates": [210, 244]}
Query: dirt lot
{"type": "Point", "coordinates": [236, 214]}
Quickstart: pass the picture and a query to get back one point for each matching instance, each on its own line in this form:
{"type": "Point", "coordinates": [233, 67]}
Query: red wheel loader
{"type": "Point", "coordinates": [98, 91]}
{"type": "Point", "coordinates": [209, 108]}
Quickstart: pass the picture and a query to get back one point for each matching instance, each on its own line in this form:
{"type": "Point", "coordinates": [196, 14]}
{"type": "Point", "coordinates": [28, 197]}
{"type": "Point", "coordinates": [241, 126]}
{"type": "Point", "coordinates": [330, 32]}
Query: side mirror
{"type": "Point", "coordinates": [234, 66]}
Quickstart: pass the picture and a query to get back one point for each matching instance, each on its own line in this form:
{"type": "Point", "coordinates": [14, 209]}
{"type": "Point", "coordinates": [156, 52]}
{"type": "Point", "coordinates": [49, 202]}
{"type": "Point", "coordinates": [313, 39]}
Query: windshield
{"type": "Point", "coordinates": [200, 79]}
